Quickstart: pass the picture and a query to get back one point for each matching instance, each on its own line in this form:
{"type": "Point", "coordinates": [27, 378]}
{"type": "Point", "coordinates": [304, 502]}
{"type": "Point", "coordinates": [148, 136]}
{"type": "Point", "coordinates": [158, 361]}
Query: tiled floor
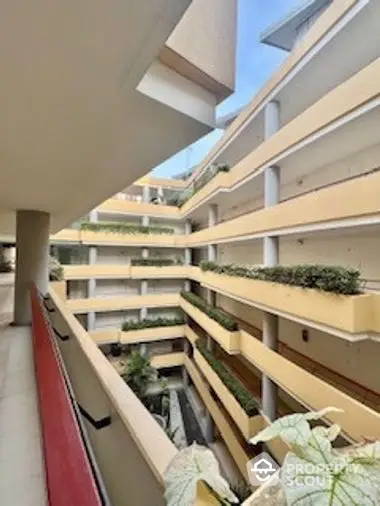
{"type": "Point", "coordinates": [21, 465]}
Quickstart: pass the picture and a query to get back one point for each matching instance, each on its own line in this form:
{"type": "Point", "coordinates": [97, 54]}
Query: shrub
{"type": "Point", "coordinates": [206, 177]}
{"type": "Point", "coordinates": [334, 279]}
{"type": "Point", "coordinates": [224, 319]}
{"type": "Point", "coordinates": [156, 262]}
{"type": "Point", "coordinates": [124, 228]}
{"type": "Point", "coordinates": [55, 270]}
{"type": "Point", "coordinates": [234, 385]}
{"type": "Point", "coordinates": [149, 323]}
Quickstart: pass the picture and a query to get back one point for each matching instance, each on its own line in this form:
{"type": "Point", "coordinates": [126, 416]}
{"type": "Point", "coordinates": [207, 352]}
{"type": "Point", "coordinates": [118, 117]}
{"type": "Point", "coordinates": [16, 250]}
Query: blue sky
{"type": "Point", "coordinates": [255, 64]}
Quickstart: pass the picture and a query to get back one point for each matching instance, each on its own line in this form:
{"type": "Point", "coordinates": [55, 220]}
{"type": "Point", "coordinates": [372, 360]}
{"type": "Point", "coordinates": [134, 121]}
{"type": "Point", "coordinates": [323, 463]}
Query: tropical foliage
{"type": "Point", "coordinates": [224, 319]}
{"type": "Point", "coordinates": [234, 385]}
{"type": "Point", "coordinates": [124, 228]}
{"type": "Point", "coordinates": [189, 467]}
{"type": "Point", "coordinates": [314, 473]}
{"type": "Point", "coordinates": [334, 279]}
{"type": "Point", "coordinates": [155, 262]}
{"type": "Point", "coordinates": [149, 323]}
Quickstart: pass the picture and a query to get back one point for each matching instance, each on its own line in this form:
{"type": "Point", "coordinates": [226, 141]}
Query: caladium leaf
{"type": "Point", "coordinates": [294, 429]}
{"type": "Point", "coordinates": [191, 465]}
{"type": "Point", "coordinates": [315, 474]}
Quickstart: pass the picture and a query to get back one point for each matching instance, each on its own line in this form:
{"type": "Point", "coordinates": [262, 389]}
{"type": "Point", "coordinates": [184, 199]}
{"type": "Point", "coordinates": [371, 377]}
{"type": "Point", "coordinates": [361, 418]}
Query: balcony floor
{"type": "Point", "coordinates": [22, 481]}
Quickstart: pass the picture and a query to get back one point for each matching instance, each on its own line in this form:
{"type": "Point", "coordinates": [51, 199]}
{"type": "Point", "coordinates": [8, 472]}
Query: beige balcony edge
{"type": "Point", "coordinates": [229, 341]}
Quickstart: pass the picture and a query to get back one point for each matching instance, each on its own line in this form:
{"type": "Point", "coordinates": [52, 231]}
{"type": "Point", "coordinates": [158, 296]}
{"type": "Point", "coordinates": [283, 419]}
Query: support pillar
{"type": "Point", "coordinates": [32, 260]}
{"type": "Point", "coordinates": [271, 258]}
{"type": "Point", "coordinates": [91, 287]}
{"type": "Point", "coordinates": [185, 374]}
{"type": "Point", "coordinates": [143, 291]}
{"type": "Point", "coordinates": [145, 254]}
{"type": "Point", "coordinates": [188, 255]}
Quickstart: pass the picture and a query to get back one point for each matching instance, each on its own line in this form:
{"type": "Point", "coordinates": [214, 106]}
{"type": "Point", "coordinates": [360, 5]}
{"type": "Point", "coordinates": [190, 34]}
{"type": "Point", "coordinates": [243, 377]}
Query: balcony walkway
{"type": "Point", "coordinates": [22, 480]}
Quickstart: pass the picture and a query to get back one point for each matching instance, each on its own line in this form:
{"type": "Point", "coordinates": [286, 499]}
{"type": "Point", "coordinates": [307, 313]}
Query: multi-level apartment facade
{"type": "Point", "coordinates": [268, 250]}
{"type": "Point", "coordinates": [301, 190]}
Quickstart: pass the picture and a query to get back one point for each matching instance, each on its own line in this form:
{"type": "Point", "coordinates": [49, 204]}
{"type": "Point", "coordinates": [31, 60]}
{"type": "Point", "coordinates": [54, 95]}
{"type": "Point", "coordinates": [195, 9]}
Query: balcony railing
{"type": "Point", "coordinates": [69, 474]}
{"type": "Point", "coordinates": [133, 451]}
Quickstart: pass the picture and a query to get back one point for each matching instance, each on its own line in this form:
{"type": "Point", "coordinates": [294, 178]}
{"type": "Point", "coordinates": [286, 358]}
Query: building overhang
{"type": "Point", "coordinates": [283, 34]}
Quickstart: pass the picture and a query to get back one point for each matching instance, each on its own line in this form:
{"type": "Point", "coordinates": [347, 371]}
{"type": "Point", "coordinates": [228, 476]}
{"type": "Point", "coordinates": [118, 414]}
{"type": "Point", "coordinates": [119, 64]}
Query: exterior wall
{"type": "Point", "coordinates": [116, 255]}
{"type": "Point", "coordinates": [164, 286]}
{"type": "Point", "coordinates": [203, 45]}
{"type": "Point", "coordinates": [77, 289]}
{"type": "Point", "coordinates": [115, 319]}
{"type": "Point", "coordinates": [116, 287]}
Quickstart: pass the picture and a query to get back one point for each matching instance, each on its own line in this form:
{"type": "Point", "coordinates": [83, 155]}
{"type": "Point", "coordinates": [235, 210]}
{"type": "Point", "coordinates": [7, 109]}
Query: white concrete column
{"type": "Point", "coordinates": [188, 259]}
{"type": "Point", "coordinates": [213, 218]}
{"type": "Point", "coordinates": [145, 253]}
{"type": "Point", "coordinates": [270, 259]}
{"type": "Point", "coordinates": [92, 260]}
{"type": "Point", "coordinates": [146, 194]}
{"type": "Point", "coordinates": [143, 291]}
{"type": "Point", "coordinates": [145, 221]}
{"type": "Point", "coordinates": [185, 374]}
{"type": "Point", "coordinates": [32, 260]}
{"type": "Point", "coordinates": [94, 217]}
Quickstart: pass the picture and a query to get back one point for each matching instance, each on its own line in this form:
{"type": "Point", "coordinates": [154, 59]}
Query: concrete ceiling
{"type": "Point", "coordinates": [74, 128]}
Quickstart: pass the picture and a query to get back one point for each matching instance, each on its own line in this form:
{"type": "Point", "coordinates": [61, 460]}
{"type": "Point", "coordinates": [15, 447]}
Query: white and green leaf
{"type": "Point", "coordinates": [190, 466]}
{"type": "Point", "coordinates": [315, 474]}
{"type": "Point", "coordinates": [294, 429]}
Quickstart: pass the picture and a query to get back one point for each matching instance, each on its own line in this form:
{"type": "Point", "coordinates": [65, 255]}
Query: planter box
{"type": "Point", "coordinates": [248, 426]}
{"type": "Point", "coordinates": [154, 272]}
{"type": "Point", "coordinates": [101, 337]}
{"type": "Point", "coordinates": [229, 341]}
{"type": "Point", "coordinates": [349, 313]}
{"type": "Point", "coordinates": [168, 360]}
{"type": "Point", "coordinates": [154, 334]}
{"type": "Point", "coordinates": [97, 271]}
{"type": "Point", "coordinates": [100, 237]}
{"type": "Point", "coordinates": [123, 303]}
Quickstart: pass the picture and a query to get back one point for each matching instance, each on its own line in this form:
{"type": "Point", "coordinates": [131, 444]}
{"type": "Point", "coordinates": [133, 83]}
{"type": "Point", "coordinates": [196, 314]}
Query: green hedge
{"type": "Point", "coordinates": [156, 262]}
{"type": "Point", "coordinates": [150, 323]}
{"type": "Point", "coordinates": [224, 319]}
{"type": "Point", "coordinates": [55, 270]}
{"type": "Point", "coordinates": [234, 385]}
{"type": "Point", "coordinates": [320, 277]}
{"type": "Point", "coordinates": [209, 174]}
{"type": "Point", "coordinates": [124, 228]}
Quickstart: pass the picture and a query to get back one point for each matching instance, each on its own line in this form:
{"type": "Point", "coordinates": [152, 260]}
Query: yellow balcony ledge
{"type": "Point", "coordinates": [60, 288]}
{"type": "Point", "coordinates": [356, 419]}
{"type": "Point", "coordinates": [79, 306]}
{"type": "Point", "coordinates": [168, 360]}
{"type": "Point", "coordinates": [97, 271]}
{"type": "Point", "coordinates": [129, 207]}
{"type": "Point", "coordinates": [229, 341]}
{"type": "Point", "coordinates": [229, 437]}
{"type": "Point", "coordinates": [164, 272]}
{"type": "Point", "coordinates": [105, 336]}
{"type": "Point", "coordinates": [352, 314]}
{"type": "Point", "coordinates": [151, 335]}
{"type": "Point", "coordinates": [249, 426]}
{"type": "Point", "coordinates": [163, 240]}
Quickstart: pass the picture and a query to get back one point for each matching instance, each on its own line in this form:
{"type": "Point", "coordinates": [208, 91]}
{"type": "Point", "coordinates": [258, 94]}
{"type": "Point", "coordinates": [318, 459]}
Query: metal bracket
{"type": "Point", "coordinates": [61, 337]}
{"type": "Point", "coordinates": [97, 424]}
{"type": "Point", "coordinates": [48, 309]}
